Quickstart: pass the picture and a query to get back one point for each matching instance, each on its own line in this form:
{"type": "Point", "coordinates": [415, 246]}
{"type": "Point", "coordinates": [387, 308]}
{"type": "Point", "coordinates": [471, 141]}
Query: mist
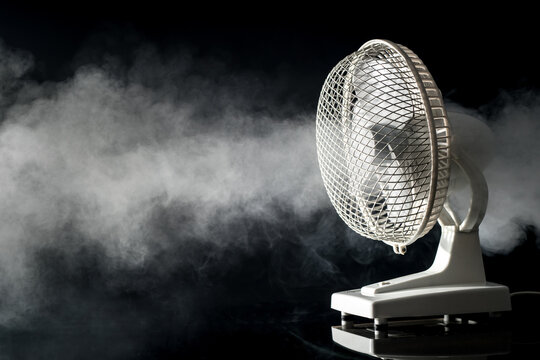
{"type": "Point", "coordinates": [514, 173]}
{"type": "Point", "coordinates": [167, 164]}
{"type": "Point", "coordinates": [499, 138]}
{"type": "Point", "coordinates": [102, 153]}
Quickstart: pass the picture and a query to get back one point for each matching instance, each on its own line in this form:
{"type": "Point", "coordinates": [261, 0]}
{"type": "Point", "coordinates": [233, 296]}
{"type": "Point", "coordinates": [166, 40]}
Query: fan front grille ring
{"type": "Point", "coordinates": [375, 142]}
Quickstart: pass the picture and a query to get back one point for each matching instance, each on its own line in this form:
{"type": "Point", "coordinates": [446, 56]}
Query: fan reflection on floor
{"type": "Point", "coordinates": [448, 337]}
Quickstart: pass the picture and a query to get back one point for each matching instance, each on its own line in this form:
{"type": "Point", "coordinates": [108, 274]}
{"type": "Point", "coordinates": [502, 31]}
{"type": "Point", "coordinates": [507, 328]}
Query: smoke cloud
{"type": "Point", "coordinates": [135, 161]}
{"type": "Point", "coordinates": [101, 153]}
{"type": "Point", "coordinates": [513, 175]}
{"type": "Point", "coordinates": [500, 139]}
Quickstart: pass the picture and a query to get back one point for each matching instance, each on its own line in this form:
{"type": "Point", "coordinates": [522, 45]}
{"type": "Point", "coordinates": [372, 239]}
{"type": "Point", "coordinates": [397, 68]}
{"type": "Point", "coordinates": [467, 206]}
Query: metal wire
{"type": "Point", "coordinates": [383, 143]}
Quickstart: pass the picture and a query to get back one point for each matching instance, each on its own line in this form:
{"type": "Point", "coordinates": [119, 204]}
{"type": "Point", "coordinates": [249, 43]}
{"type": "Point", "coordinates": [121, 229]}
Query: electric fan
{"type": "Point", "coordinates": [386, 149]}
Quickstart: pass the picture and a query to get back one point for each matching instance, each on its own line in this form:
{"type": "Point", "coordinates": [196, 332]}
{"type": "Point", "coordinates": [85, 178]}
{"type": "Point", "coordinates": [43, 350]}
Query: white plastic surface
{"type": "Point", "coordinates": [425, 301]}
{"type": "Point", "coordinates": [458, 261]}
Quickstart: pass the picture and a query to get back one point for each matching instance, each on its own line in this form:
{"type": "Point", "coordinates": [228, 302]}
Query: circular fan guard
{"type": "Point", "coordinates": [383, 143]}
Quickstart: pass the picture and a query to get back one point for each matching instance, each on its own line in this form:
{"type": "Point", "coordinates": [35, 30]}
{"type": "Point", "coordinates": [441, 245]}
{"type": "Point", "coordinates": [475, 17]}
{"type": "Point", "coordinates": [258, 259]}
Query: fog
{"type": "Point", "coordinates": [100, 154]}
{"type": "Point", "coordinates": [514, 173]}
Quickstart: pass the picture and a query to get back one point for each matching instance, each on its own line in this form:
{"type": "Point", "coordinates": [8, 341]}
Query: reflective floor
{"type": "Point", "coordinates": [262, 331]}
{"type": "Point", "coordinates": [268, 305]}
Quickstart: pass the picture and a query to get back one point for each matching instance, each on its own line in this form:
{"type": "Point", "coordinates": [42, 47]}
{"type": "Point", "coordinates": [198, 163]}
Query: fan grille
{"type": "Point", "coordinates": [383, 143]}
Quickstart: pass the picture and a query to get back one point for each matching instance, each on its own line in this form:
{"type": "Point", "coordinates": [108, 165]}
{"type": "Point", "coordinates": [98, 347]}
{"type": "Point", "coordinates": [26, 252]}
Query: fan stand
{"type": "Point", "coordinates": [454, 284]}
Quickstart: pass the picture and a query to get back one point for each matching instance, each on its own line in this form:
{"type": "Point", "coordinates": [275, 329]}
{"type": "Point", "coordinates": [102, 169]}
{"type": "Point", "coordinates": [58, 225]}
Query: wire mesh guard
{"type": "Point", "coordinates": [383, 143]}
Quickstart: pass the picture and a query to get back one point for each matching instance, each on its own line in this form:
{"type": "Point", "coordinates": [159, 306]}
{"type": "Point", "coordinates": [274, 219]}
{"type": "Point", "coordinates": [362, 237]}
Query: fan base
{"type": "Point", "coordinates": [427, 338]}
{"type": "Point", "coordinates": [424, 301]}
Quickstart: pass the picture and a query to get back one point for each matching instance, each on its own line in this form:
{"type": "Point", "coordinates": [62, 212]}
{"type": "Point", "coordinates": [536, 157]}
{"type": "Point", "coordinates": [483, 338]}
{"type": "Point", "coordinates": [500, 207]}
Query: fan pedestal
{"type": "Point", "coordinates": [454, 284]}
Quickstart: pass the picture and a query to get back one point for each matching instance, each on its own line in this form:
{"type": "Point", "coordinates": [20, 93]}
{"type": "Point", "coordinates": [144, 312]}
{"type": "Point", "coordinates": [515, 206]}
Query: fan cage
{"type": "Point", "coordinates": [383, 143]}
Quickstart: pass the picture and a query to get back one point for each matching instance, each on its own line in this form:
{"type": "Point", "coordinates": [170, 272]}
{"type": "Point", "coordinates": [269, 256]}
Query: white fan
{"type": "Point", "coordinates": [385, 149]}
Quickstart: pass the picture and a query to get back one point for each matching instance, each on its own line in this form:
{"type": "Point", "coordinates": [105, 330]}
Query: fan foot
{"type": "Point", "coordinates": [424, 301]}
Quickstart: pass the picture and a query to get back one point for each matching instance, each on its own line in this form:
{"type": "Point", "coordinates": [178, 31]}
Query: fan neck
{"type": "Point", "coordinates": [458, 261]}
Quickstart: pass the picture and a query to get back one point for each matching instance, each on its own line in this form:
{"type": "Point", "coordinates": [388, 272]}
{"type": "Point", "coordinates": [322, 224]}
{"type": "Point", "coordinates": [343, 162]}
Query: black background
{"type": "Point", "coordinates": [264, 305]}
